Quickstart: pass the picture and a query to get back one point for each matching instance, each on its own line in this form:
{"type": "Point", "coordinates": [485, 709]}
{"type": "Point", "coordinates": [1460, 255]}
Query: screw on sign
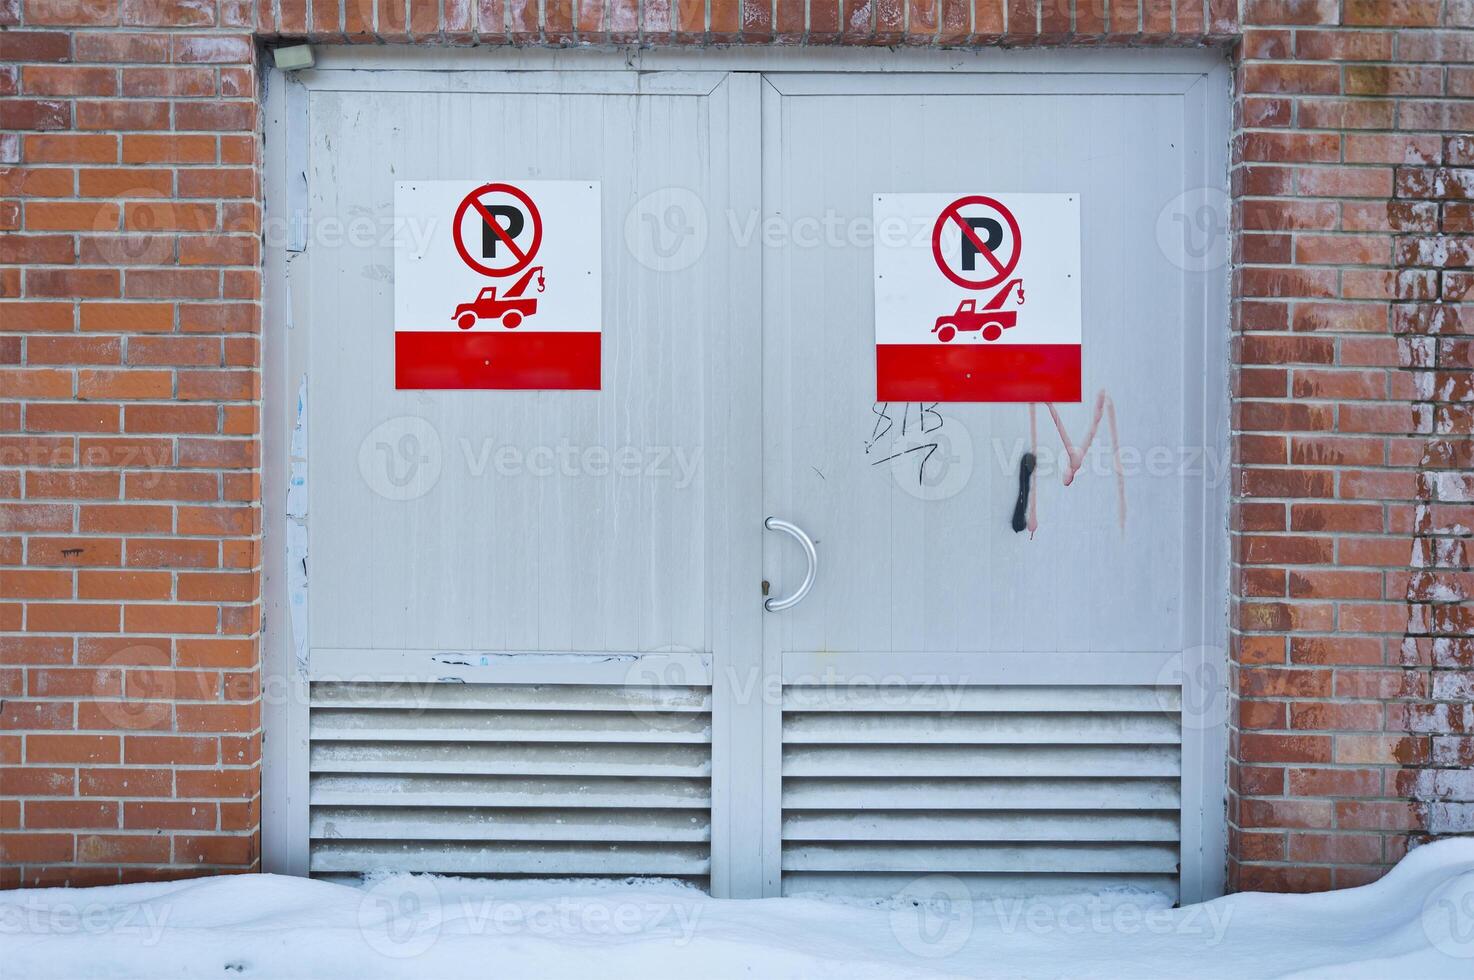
{"type": "Point", "coordinates": [987, 230]}
{"type": "Point", "coordinates": [505, 212]}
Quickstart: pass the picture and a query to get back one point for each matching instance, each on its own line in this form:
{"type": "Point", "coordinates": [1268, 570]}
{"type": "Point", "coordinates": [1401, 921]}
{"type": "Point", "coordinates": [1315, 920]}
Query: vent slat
{"type": "Point", "coordinates": [512, 858]}
{"type": "Point", "coordinates": [924, 858]}
{"type": "Point", "coordinates": [1114, 728]}
{"type": "Point", "coordinates": [376, 724]}
{"type": "Point", "coordinates": [941, 697]}
{"type": "Point", "coordinates": [987, 760]}
{"type": "Point", "coordinates": [980, 794]}
{"type": "Point", "coordinates": [414, 823]}
{"type": "Point", "coordinates": [491, 759]}
{"type": "Point", "coordinates": [971, 825]}
{"type": "Point", "coordinates": [507, 791]}
{"type": "Point", "coordinates": [508, 697]}
{"type": "Point", "coordinates": [862, 885]}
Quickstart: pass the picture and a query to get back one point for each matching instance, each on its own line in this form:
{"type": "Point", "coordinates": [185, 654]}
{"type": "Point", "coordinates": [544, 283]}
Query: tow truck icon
{"type": "Point", "coordinates": [510, 308]}
{"type": "Point", "coordinates": [991, 320]}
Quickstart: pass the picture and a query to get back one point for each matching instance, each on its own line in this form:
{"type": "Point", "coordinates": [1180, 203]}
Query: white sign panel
{"type": "Point", "coordinates": [977, 297]}
{"type": "Point", "coordinates": [497, 284]}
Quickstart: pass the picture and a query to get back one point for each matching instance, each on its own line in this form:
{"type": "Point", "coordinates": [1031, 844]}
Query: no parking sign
{"type": "Point", "coordinates": [497, 284]}
{"type": "Point", "coordinates": [977, 297]}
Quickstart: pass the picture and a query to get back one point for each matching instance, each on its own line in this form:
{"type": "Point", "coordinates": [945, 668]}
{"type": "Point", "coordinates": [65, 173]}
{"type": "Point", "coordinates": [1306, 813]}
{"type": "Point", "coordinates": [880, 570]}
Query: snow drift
{"type": "Point", "coordinates": [1416, 922]}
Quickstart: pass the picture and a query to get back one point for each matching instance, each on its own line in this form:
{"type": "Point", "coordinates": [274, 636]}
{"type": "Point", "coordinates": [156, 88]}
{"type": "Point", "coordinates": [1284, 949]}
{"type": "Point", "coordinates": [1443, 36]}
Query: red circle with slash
{"type": "Point", "coordinates": [953, 213]}
{"type": "Point", "coordinates": [522, 258]}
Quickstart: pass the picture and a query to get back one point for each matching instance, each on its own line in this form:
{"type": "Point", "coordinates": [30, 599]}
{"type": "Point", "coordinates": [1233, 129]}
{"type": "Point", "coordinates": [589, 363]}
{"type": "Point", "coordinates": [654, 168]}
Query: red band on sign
{"type": "Point", "coordinates": [977, 372]}
{"type": "Point", "coordinates": [441, 359]}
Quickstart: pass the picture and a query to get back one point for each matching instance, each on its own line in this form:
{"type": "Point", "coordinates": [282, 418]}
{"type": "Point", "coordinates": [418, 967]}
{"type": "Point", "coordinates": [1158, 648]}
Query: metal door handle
{"type": "Point", "coordinates": [807, 544]}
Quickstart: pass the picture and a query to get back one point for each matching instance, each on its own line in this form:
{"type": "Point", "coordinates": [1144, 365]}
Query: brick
{"type": "Point", "coordinates": [1332, 716]}
{"type": "Point", "coordinates": [151, 149]}
{"type": "Point", "coordinates": [70, 617]}
{"type": "Point", "coordinates": [37, 781]}
{"type": "Point", "coordinates": [171, 486]}
{"type": "Point", "coordinates": [103, 46]}
{"type": "Point", "coordinates": [73, 551]}
{"type": "Point", "coordinates": [124, 384]}
{"type": "Point", "coordinates": [169, 82]}
{"type": "Point", "coordinates": [1378, 749]}
{"type": "Point", "coordinates": [172, 553]}
{"type": "Point", "coordinates": [69, 148]}
{"type": "Point", "coordinates": [32, 584]}
{"type": "Point", "coordinates": [1261, 747]}
{"type": "Point", "coordinates": [126, 518]}
{"type": "Point", "coordinates": [34, 848]}
{"type": "Point", "coordinates": [1304, 814]}
{"type": "Point", "coordinates": [1290, 147]}
{"type": "Point", "coordinates": [122, 849]}
{"type": "Point", "coordinates": [81, 815]}
{"type": "Point", "coordinates": [1300, 79]}
{"type": "Point", "coordinates": [35, 46]}
{"type": "Point", "coordinates": [123, 115]}
{"type": "Point", "coordinates": [36, 181]}
{"type": "Point", "coordinates": [127, 317]}
{"type": "Point", "coordinates": [1389, 13]}
{"type": "Point", "coordinates": [172, 283]}
{"type": "Point", "coordinates": [171, 418]}
{"type": "Point", "coordinates": [216, 653]}
{"type": "Point", "coordinates": [169, 750]}
{"type": "Point", "coordinates": [170, 618]}
{"type": "Point", "coordinates": [1341, 848]}
{"type": "Point", "coordinates": [123, 585]}
{"type": "Point", "coordinates": [38, 114]}
{"type": "Point", "coordinates": [68, 80]}
{"type": "Point", "coordinates": [215, 850]}
{"type": "Point", "coordinates": [82, 283]}
{"type": "Point", "coordinates": [169, 815]}
{"type": "Point", "coordinates": [217, 717]}
{"type": "Point", "coordinates": [211, 49]}
{"type": "Point", "coordinates": [74, 350]}
{"type": "Point", "coordinates": [130, 782]}
{"type": "Point", "coordinates": [87, 749]}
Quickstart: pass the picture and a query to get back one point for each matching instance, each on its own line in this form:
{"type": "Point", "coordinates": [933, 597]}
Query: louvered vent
{"type": "Point", "coordinates": [511, 779]}
{"type": "Point", "coordinates": [1015, 788]}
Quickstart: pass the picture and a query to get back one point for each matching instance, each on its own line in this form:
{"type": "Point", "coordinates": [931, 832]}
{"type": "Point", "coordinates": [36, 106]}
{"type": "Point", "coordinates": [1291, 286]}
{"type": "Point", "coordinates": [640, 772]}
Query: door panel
{"type": "Point", "coordinates": [922, 578]}
{"type": "Point", "coordinates": [562, 558]}
{"type": "Point", "coordinates": [919, 552]}
{"type": "Point", "coordinates": [576, 520]}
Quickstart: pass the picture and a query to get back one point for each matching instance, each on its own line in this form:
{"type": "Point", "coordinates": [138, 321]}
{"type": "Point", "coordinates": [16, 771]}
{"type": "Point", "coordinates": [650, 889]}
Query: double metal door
{"type": "Point", "coordinates": [554, 632]}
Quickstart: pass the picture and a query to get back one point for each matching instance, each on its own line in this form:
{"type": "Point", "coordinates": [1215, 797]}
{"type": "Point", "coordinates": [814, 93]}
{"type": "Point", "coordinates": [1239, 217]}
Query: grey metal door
{"type": "Point", "coordinates": [1030, 732]}
{"type": "Point", "coordinates": [514, 599]}
{"type": "Point", "coordinates": [515, 664]}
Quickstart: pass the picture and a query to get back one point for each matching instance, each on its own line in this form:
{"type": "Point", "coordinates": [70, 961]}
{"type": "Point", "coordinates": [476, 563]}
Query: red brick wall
{"type": "Point", "coordinates": [129, 483]}
{"type": "Point", "coordinates": [1353, 642]}
{"type": "Point", "coordinates": [129, 452]}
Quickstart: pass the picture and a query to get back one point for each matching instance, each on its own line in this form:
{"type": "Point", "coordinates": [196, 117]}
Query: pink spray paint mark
{"type": "Point", "coordinates": [1104, 408]}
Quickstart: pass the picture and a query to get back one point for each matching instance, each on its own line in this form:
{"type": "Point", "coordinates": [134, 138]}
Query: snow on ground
{"type": "Point", "coordinates": [1416, 922]}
